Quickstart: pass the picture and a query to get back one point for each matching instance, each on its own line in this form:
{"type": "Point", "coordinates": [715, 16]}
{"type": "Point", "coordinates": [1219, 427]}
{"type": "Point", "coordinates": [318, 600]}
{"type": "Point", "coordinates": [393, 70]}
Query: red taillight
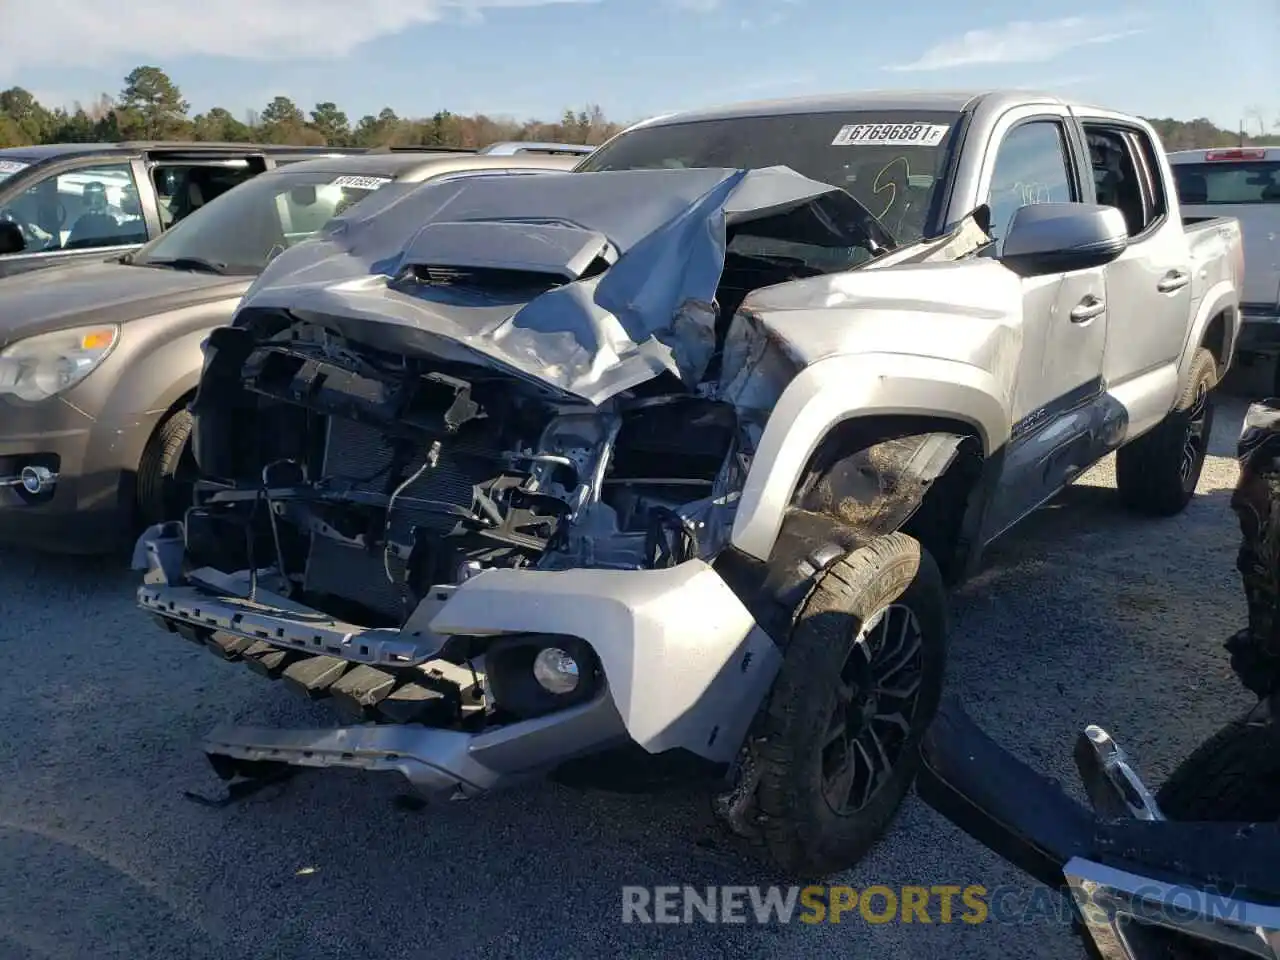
{"type": "Point", "coordinates": [1236, 154]}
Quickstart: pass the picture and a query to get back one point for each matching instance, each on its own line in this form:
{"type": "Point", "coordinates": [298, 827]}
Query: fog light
{"type": "Point", "coordinates": [37, 479]}
{"type": "Point", "coordinates": [556, 671]}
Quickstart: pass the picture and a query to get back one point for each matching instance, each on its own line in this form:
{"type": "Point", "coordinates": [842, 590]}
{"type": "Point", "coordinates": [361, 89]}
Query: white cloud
{"type": "Point", "coordinates": [65, 33]}
{"type": "Point", "coordinates": [1022, 41]}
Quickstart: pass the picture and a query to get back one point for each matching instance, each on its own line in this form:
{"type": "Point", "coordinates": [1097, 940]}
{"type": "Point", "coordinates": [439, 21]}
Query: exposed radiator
{"type": "Point", "coordinates": [359, 452]}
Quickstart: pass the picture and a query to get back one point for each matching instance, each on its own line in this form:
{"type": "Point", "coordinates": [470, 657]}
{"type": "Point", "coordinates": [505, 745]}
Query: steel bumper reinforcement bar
{"type": "Point", "coordinates": [216, 601]}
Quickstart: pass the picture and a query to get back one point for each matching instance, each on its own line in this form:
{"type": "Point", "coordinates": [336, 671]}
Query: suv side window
{"type": "Point", "coordinates": [80, 209]}
{"type": "Point", "coordinates": [1126, 174]}
{"type": "Point", "coordinates": [1032, 166]}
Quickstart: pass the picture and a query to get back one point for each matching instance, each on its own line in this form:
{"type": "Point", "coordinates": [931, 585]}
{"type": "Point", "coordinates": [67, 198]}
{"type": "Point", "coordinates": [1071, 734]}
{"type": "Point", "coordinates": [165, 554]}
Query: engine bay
{"type": "Point", "coordinates": [366, 478]}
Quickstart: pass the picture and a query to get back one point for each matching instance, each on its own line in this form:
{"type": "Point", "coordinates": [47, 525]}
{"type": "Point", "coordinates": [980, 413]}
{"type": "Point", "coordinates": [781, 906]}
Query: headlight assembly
{"type": "Point", "coordinates": [43, 366]}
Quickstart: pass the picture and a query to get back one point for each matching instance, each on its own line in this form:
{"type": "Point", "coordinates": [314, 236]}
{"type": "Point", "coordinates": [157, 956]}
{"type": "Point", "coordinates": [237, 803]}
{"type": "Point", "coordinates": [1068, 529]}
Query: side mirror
{"type": "Point", "coordinates": [1060, 237]}
{"type": "Point", "coordinates": [11, 238]}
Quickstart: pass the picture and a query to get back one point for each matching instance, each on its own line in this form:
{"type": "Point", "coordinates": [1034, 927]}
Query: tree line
{"type": "Point", "coordinates": [151, 107]}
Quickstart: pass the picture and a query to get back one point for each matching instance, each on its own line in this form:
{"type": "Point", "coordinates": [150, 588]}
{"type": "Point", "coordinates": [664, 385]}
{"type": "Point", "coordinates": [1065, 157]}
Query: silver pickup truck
{"type": "Point", "coordinates": [668, 461]}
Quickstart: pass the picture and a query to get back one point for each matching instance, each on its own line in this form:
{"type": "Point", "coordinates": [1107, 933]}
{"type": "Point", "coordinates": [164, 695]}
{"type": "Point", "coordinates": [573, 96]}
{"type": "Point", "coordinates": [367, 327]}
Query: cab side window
{"type": "Point", "coordinates": [80, 209]}
{"type": "Point", "coordinates": [1032, 166]}
{"type": "Point", "coordinates": [1126, 174]}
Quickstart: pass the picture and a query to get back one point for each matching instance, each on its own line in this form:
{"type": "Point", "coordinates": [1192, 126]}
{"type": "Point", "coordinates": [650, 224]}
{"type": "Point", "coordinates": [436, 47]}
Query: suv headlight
{"type": "Point", "coordinates": [43, 366]}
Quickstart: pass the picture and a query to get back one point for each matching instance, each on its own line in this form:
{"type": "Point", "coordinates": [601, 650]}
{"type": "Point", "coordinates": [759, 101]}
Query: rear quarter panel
{"type": "Point", "coordinates": [1217, 277]}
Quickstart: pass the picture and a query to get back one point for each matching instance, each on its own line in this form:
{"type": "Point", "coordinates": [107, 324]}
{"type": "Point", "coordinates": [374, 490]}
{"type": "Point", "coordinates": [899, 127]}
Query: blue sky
{"type": "Point", "coordinates": [526, 58]}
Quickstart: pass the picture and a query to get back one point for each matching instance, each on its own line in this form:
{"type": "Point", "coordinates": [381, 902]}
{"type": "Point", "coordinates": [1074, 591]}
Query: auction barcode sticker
{"type": "Point", "coordinates": [12, 166]}
{"type": "Point", "coordinates": [361, 183]}
{"type": "Point", "coordinates": [891, 135]}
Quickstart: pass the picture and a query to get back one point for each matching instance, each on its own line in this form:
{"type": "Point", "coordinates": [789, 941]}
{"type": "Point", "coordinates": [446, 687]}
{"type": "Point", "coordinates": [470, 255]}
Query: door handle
{"type": "Point", "coordinates": [1088, 308]}
{"type": "Point", "coordinates": [1173, 280]}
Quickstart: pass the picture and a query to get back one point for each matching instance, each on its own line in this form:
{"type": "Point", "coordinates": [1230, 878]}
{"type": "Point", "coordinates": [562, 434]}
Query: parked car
{"type": "Point", "coordinates": [1242, 182]}
{"type": "Point", "coordinates": [66, 202]}
{"type": "Point", "coordinates": [98, 360]}
{"type": "Point", "coordinates": [673, 455]}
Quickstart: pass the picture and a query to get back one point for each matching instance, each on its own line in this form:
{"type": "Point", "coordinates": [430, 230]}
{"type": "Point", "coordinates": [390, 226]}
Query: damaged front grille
{"type": "Point", "coordinates": [368, 479]}
{"type": "Point", "coordinates": [376, 577]}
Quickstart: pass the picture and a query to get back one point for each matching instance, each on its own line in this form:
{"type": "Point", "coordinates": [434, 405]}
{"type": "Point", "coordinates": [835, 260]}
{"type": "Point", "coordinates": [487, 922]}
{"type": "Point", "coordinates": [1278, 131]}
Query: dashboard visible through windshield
{"type": "Point", "coordinates": [890, 162]}
{"type": "Point", "coordinates": [243, 230]}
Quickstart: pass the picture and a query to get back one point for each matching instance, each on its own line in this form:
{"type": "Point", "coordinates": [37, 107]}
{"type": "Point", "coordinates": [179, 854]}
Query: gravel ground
{"type": "Point", "coordinates": [1085, 614]}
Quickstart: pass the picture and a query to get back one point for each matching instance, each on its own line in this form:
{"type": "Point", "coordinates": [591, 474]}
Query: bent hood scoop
{"type": "Point", "coordinates": [591, 283]}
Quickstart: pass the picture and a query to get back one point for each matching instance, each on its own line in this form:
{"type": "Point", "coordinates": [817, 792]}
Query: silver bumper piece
{"type": "Point", "coordinates": [1110, 901]}
{"type": "Point", "coordinates": [436, 762]}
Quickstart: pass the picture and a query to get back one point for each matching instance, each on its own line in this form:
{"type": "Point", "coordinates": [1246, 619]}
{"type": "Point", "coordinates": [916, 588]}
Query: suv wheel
{"type": "Point", "coordinates": [1157, 473]}
{"type": "Point", "coordinates": [836, 745]}
{"type": "Point", "coordinates": [163, 491]}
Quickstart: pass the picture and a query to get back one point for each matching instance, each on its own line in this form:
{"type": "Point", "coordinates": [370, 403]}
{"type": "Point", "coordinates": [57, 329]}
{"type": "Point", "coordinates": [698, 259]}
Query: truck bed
{"type": "Point", "coordinates": [1217, 254]}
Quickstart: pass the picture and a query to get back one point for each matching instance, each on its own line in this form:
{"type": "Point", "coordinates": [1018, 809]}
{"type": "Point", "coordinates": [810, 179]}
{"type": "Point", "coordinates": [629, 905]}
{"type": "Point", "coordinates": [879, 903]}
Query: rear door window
{"type": "Point", "coordinates": [182, 189]}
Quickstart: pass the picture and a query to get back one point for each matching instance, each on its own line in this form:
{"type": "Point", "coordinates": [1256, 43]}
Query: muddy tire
{"type": "Point", "coordinates": [1233, 776]}
{"type": "Point", "coordinates": [1157, 473]}
{"type": "Point", "coordinates": [161, 495]}
{"type": "Point", "coordinates": [836, 745]}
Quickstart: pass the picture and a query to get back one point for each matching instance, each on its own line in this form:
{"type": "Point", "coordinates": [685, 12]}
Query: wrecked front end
{"type": "Point", "coordinates": [519, 577]}
{"type": "Point", "coordinates": [477, 487]}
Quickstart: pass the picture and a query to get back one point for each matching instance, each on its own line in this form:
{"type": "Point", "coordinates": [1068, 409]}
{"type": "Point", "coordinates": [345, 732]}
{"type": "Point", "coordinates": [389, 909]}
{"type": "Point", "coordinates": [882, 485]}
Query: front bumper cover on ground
{"type": "Point", "coordinates": [685, 666]}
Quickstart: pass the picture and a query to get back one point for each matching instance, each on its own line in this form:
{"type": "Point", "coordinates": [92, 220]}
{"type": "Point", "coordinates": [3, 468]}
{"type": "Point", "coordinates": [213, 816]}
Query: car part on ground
{"type": "Point", "coordinates": [661, 456]}
{"type": "Point", "coordinates": [1190, 872]}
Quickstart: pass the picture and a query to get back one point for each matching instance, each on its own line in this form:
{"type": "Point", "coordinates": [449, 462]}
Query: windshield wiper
{"type": "Point", "coordinates": [189, 263]}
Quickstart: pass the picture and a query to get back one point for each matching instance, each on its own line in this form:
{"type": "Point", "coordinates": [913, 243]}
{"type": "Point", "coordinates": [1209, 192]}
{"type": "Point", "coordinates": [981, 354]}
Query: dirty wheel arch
{"type": "Point", "coordinates": [836, 745]}
{"type": "Point", "coordinates": [883, 474]}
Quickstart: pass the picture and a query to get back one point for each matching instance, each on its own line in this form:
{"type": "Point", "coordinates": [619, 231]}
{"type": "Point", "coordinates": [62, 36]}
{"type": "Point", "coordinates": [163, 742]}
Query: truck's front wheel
{"type": "Point", "coordinates": [1157, 473]}
{"type": "Point", "coordinates": [837, 745]}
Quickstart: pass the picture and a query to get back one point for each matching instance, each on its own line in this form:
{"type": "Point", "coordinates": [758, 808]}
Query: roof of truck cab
{"type": "Point", "coordinates": [929, 101]}
{"type": "Point", "coordinates": [412, 167]}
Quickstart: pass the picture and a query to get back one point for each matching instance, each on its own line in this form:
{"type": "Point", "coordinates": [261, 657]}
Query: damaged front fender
{"type": "Point", "coordinates": [822, 396]}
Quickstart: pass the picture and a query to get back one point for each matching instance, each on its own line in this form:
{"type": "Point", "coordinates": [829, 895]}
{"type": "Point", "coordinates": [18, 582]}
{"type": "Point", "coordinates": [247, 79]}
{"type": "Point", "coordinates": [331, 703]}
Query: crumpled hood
{"type": "Point", "coordinates": [54, 298]}
{"type": "Point", "coordinates": [589, 282]}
